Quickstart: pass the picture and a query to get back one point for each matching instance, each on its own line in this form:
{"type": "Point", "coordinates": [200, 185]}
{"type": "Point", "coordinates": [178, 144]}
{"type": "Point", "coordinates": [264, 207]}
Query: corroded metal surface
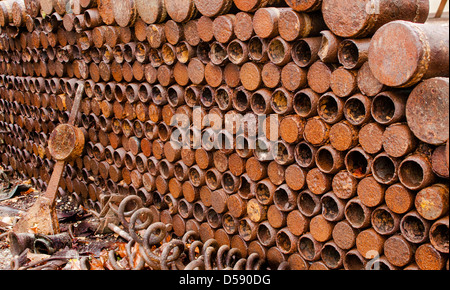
{"type": "Point", "coordinates": [263, 134]}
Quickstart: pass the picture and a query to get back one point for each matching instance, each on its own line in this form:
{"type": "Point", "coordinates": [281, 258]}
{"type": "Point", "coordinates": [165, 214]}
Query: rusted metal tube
{"type": "Point", "coordinates": [437, 235]}
{"type": "Point", "coordinates": [384, 221]}
{"type": "Point", "coordinates": [367, 83]}
{"type": "Point", "coordinates": [391, 137]}
{"type": "Point", "coordinates": [309, 248]}
{"type": "Point", "coordinates": [329, 160]}
{"type": "Point", "coordinates": [358, 162]}
{"type": "Point", "coordinates": [305, 51]}
{"type": "Point", "coordinates": [343, 136]}
{"type": "Point", "coordinates": [357, 109]}
{"type": "Point", "coordinates": [331, 108]}
{"type": "Point", "coordinates": [428, 258]}
{"type": "Point", "coordinates": [344, 185]}
{"type": "Point", "coordinates": [389, 107]}
{"type": "Point", "coordinates": [385, 168]}
{"type": "Point", "coordinates": [293, 25]}
{"type": "Point", "coordinates": [432, 202]}
{"type": "Point", "coordinates": [279, 51]}
{"type": "Point", "coordinates": [415, 172]}
{"type": "Point", "coordinates": [357, 214]}
{"type": "Point", "coordinates": [414, 227]}
{"type": "Point", "coordinates": [438, 161]}
{"type": "Point", "coordinates": [333, 208]}
{"type": "Point", "coordinates": [353, 53]}
{"type": "Point", "coordinates": [253, 5]}
{"type": "Point", "coordinates": [328, 51]}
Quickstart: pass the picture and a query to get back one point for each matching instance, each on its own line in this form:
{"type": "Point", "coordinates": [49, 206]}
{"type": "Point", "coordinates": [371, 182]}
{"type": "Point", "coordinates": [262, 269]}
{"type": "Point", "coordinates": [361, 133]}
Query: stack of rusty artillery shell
{"type": "Point", "coordinates": [319, 128]}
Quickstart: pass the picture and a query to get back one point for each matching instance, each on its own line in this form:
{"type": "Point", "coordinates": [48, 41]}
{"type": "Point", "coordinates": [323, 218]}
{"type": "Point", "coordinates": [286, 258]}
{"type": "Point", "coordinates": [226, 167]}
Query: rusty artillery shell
{"type": "Point", "coordinates": [331, 108]}
{"type": "Point", "coordinates": [415, 172]}
{"type": "Point", "coordinates": [295, 177]}
{"type": "Point", "coordinates": [344, 82]}
{"type": "Point", "coordinates": [181, 11]}
{"type": "Point", "coordinates": [265, 22]}
{"type": "Point", "coordinates": [398, 140]}
{"type": "Point", "coordinates": [430, 57]}
{"type": "Point", "coordinates": [279, 51]}
{"type": "Point", "coordinates": [414, 227]}
{"type": "Point", "coordinates": [344, 185]}
{"type": "Point", "coordinates": [243, 28]}
{"type": "Point", "coordinates": [385, 168]}
{"type": "Point", "coordinates": [371, 137]}
{"type": "Point", "coordinates": [437, 235]}
{"type": "Point", "coordinates": [432, 202]}
{"type": "Point", "coordinates": [357, 214]}
{"type": "Point", "coordinates": [151, 13]}
{"type": "Point", "coordinates": [306, 6]}
{"type": "Point", "coordinates": [428, 258]}
{"type": "Point", "coordinates": [353, 53]}
{"type": "Point", "coordinates": [320, 228]}
{"type": "Point", "coordinates": [399, 251]}
{"type": "Point", "coordinates": [344, 235]}
{"type": "Point", "coordinates": [343, 136]}
{"type": "Point", "coordinates": [292, 128]}
{"type": "Point", "coordinates": [253, 5]}
{"type": "Point", "coordinates": [399, 199]}
{"type": "Point", "coordinates": [371, 16]}
{"type": "Point", "coordinates": [328, 51]}
{"type": "Point", "coordinates": [293, 77]}
{"type": "Point", "coordinates": [389, 107]}
{"type": "Point", "coordinates": [429, 123]}
{"type": "Point", "coordinates": [316, 131]}
{"type": "Point", "coordinates": [329, 160]}
{"type": "Point", "coordinates": [297, 223]}
{"type": "Point", "coordinates": [440, 167]}
{"type": "Point", "coordinates": [358, 162]}
{"type": "Point", "coordinates": [125, 12]}
{"type": "Point", "coordinates": [319, 76]}
{"type": "Point", "coordinates": [384, 221]}
{"type": "Point", "coordinates": [223, 28]}
{"type": "Point", "coordinates": [357, 109]}
{"type": "Point", "coordinates": [306, 102]}
{"type": "Point", "coordinates": [318, 182]}
{"type": "Point", "coordinates": [309, 248]}
{"type": "Point", "coordinates": [370, 191]}
{"type": "Point", "coordinates": [367, 83]}
{"type": "Point", "coordinates": [293, 25]}
{"type": "Point", "coordinates": [213, 8]}
{"type": "Point", "coordinates": [369, 243]}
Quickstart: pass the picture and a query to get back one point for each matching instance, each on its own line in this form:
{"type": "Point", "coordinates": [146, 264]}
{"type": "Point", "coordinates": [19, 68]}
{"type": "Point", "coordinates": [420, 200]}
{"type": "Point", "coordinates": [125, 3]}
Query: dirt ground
{"type": "Point", "coordinates": [69, 215]}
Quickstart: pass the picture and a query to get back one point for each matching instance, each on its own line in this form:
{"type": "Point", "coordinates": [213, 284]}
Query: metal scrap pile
{"type": "Point", "coordinates": [248, 134]}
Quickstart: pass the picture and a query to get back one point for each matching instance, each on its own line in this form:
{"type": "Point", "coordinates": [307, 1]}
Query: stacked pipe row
{"type": "Point", "coordinates": [358, 91]}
